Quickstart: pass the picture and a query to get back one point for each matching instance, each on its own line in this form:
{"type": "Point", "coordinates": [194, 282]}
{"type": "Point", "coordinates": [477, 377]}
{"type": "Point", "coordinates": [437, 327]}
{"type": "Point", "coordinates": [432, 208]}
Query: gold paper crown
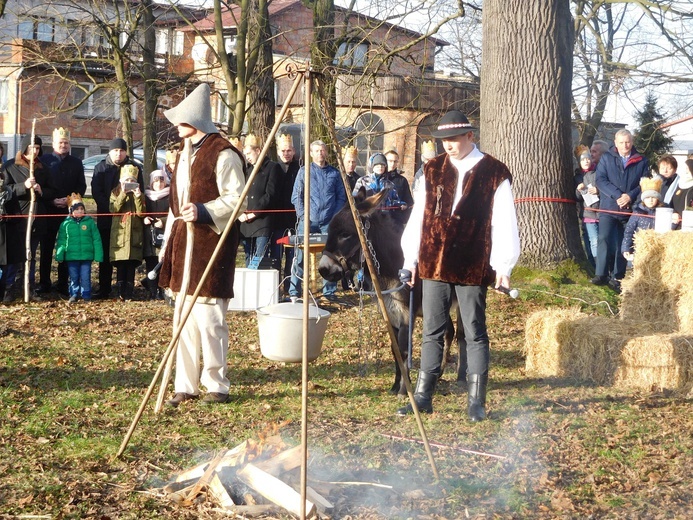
{"type": "Point", "coordinates": [252, 141]}
{"type": "Point", "coordinates": [284, 141]}
{"type": "Point", "coordinates": [647, 184]}
{"type": "Point", "coordinates": [351, 151]}
{"type": "Point", "coordinates": [428, 149]}
{"type": "Point", "coordinates": [580, 149]}
{"type": "Point", "coordinates": [128, 171]}
{"type": "Point", "coordinates": [74, 198]}
{"type": "Point", "coordinates": [61, 133]}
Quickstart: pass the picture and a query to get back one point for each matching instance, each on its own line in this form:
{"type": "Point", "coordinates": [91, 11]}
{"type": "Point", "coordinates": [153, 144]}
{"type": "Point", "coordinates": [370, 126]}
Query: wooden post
{"type": "Point", "coordinates": [30, 220]}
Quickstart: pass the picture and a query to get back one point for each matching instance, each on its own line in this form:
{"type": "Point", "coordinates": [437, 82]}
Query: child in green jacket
{"type": "Point", "coordinates": [78, 244]}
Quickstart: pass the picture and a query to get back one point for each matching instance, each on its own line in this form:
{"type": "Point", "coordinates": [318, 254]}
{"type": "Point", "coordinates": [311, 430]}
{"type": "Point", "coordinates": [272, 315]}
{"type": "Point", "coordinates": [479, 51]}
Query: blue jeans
{"type": "Point", "coordinates": [80, 278]}
{"type": "Point", "coordinates": [328, 288]}
{"type": "Point", "coordinates": [256, 249]}
{"type": "Point", "coordinates": [591, 239]}
{"type": "Point", "coordinates": [610, 261]}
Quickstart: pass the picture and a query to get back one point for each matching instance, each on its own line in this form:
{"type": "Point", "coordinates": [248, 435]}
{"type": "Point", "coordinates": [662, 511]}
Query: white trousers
{"type": "Point", "coordinates": [205, 330]}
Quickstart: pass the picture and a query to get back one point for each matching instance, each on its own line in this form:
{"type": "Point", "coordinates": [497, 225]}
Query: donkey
{"type": "Point", "coordinates": [342, 257]}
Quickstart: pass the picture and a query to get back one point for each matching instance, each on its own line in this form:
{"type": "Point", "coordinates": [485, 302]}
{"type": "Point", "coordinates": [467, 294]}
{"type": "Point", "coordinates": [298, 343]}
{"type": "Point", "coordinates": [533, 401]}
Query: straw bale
{"type": "Point", "coordinates": [657, 362]}
{"type": "Point", "coordinates": [660, 288]}
{"type": "Point", "coordinates": [568, 343]}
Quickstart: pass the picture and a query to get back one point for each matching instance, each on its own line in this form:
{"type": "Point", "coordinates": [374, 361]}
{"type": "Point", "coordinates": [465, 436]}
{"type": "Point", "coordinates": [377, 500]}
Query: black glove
{"type": "Point", "coordinates": [404, 275]}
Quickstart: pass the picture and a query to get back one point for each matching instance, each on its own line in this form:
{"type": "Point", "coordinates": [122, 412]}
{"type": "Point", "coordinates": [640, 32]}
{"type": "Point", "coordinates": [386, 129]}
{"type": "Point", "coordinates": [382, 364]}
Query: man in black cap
{"type": "Point", "coordinates": [106, 178]}
{"type": "Point", "coordinates": [66, 175]}
{"type": "Point", "coordinates": [462, 236]}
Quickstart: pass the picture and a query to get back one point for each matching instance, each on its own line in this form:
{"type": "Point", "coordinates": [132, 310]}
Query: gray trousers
{"type": "Point", "coordinates": [437, 299]}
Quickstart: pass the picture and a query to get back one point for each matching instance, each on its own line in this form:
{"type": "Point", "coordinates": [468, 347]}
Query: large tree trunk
{"type": "Point", "coordinates": [525, 119]}
{"type": "Point", "coordinates": [261, 86]}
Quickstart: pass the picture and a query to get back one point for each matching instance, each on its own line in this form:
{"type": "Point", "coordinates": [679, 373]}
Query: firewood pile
{"type": "Point", "coordinates": [253, 479]}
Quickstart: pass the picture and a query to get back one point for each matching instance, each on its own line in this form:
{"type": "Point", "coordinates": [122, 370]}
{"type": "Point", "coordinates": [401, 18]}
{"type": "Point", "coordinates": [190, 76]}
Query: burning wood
{"type": "Point", "coordinates": [231, 483]}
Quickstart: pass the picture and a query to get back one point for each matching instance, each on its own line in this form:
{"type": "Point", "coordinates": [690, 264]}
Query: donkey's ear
{"type": "Point", "coordinates": [370, 204]}
{"type": "Point", "coordinates": [361, 195]}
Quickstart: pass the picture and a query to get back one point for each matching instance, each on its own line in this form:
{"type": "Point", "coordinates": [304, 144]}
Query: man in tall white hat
{"type": "Point", "coordinates": [462, 237]}
{"type": "Point", "coordinates": [205, 190]}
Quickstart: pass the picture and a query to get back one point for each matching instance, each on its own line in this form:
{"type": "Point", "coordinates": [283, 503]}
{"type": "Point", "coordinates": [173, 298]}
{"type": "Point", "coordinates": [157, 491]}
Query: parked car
{"type": "Point", "coordinates": [137, 156]}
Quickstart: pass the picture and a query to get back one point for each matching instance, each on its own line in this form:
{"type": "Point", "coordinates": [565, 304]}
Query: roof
{"type": "Point", "coordinates": [230, 17]}
{"type": "Point", "coordinates": [676, 122]}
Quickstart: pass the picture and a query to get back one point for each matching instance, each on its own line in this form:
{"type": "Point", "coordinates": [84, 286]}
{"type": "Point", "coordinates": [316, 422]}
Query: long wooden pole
{"type": "Point", "coordinates": [306, 291]}
{"type": "Point", "coordinates": [205, 274]}
{"type": "Point", "coordinates": [30, 220]}
{"type": "Point", "coordinates": [381, 301]}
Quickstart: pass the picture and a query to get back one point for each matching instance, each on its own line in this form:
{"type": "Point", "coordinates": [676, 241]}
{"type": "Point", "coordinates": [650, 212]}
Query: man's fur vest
{"type": "Point", "coordinates": [203, 188]}
{"type": "Point", "coordinates": [456, 245]}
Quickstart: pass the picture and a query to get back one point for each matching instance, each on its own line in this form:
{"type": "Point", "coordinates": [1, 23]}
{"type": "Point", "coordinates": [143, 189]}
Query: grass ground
{"type": "Point", "coordinates": [72, 378]}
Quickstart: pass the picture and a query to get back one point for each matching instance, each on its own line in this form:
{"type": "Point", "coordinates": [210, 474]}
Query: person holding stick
{"type": "Point", "coordinates": [18, 183]}
{"type": "Point", "coordinates": [206, 189]}
{"type": "Point", "coordinates": [462, 236]}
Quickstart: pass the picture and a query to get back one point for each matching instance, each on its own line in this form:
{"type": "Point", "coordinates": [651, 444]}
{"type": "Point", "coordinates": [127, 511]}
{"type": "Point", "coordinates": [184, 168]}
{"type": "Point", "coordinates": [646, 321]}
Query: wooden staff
{"type": "Point", "coordinates": [383, 309]}
{"type": "Point", "coordinates": [227, 230]}
{"type": "Point", "coordinates": [30, 220]}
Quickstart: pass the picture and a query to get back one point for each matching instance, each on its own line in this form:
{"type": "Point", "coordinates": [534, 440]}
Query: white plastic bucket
{"type": "Point", "coordinates": [687, 220]}
{"type": "Point", "coordinates": [663, 219]}
{"type": "Point", "coordinates": [281, 331]}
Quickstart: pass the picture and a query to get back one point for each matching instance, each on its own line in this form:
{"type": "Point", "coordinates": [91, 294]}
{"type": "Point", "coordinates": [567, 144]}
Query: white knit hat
{"type": "Point", "coordinates": [195, 110]}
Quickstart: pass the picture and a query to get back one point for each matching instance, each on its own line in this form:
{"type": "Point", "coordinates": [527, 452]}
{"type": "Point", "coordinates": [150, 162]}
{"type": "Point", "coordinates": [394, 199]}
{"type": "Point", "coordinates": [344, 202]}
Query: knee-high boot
{"type": "Point", "coordinates": [476, 398]}
{"type": "Point", "coordinates": [423, 395]}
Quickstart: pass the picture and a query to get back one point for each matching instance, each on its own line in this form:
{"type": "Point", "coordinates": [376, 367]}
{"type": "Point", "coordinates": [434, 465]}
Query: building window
{"type": "Point", "coordinates": [42, 29]}
{"type": "Point", "coordinates": [178, 43]}
{"type": "Point", "coordinates": [369, 137]}
{"type": "Point", "coordinates": [101, 103]}
{"type": "Point", "coordinates": [4, 95]}
{"type": "Point", "coordinates": [161, 41]}
{"type": "Point", "coordinates": [351, 54]}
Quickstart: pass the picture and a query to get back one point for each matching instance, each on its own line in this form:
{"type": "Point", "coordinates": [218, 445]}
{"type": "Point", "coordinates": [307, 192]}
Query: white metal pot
{"type": "Point", "coordinates": [281, 331]}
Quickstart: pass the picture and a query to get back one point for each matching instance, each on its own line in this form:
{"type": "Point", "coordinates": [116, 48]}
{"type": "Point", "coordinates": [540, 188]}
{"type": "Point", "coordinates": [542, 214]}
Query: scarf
{"type": "Point", "coordinates": [155, 195]}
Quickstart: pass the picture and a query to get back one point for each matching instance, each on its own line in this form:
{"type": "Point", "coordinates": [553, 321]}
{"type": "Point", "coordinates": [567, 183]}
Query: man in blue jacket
{"type": "Point", "coordinates": [618, 181]}
{"type": "Point", "coordinates": [327, 196]}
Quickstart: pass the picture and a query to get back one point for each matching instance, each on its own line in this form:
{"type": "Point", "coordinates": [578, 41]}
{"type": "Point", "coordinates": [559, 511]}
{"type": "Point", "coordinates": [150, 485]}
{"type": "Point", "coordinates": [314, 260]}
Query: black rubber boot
{"type": "Point", "coordinates": [423, 395]}
{"type": "Point", "coordinates": [476, 398]}
{"type": "Point", "coordinates": [120, 290]}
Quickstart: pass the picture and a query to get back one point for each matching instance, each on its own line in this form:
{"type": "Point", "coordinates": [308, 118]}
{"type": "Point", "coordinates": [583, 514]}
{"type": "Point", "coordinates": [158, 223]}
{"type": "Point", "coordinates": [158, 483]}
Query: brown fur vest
{"type": "Point", "coordinates": [456, 245]}
{"type": "Point", "coordinates": [203, 188]}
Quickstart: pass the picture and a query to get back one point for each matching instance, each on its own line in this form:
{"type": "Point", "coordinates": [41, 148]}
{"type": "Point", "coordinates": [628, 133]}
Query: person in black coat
{"type": "Point", "coordinates": [66, 176]}
{"type": "Point", "coordinates": [17, 185]}
{"type": "Point", "coordinates": [106, 178]}
{"type": "Point", "coordinates": [285, 218]}
{"type": "Point", "coordinates": [401, 185]}
{"type": "Point", "coordinates": [257, 222]}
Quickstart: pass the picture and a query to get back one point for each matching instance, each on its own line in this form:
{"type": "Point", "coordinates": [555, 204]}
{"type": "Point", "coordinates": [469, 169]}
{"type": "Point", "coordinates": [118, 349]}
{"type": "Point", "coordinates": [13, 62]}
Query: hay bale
{"type": "Point", "coordinates": [542, 341]}
{"type": "Point", "coordinates": [569, 343]}
{"type": "Point", "coordinates": [607, 351]}
{"type": "Point", "coordinates": [660, 288]}
{"type": "Point", "coordinates": [657, 362]}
